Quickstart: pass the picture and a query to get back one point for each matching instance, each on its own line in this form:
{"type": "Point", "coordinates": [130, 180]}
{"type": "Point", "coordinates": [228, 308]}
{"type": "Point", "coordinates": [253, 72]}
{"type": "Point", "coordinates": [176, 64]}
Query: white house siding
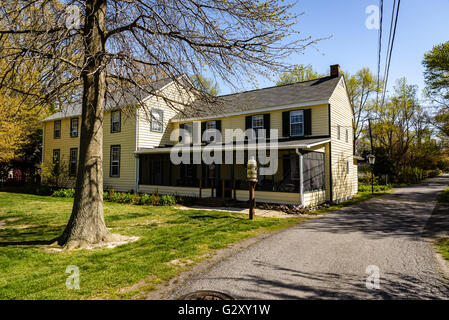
{"type": "Point", "coordinates": [344, 183]}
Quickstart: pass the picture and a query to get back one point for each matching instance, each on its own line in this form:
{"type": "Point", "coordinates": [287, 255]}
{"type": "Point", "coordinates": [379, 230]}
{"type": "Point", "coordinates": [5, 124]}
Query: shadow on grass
{"type": "Point", "coordinates": [12, 236]}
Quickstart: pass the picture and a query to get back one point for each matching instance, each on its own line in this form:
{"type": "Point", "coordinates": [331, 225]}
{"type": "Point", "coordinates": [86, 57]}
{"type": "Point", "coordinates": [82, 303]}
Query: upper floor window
{"type": "Point", "coordinates": [186, 136]}
{"type": "Point", "coordinates": [73, 161]}
{"type": "Point", "coordinates": [296, 123]}
{"type": "Point", "coordinates": [338, 132]}
{"type": "Point", "coordinates": [114, 170]}
{"type": "Point", "coordinates": [74, 127]}
{"type": "Point", "coordinates": [257, 122]}
{"type": "Point", "coordinates": [157, 120]}
{"type": "Point", "coordinates": [57, 129]}
{"type": "Point", "coordinates": [211, 124]}
{"type": "Point", "coordinates": [115, 121]}
{"type": "Point", "coordinates": [347, 135]}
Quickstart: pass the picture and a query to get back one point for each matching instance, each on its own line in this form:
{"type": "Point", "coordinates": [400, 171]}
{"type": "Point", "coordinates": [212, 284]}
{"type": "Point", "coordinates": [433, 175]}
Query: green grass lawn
{"type": "Point", "coordinates": [442, 245]}
{"type": "Point", "coordinates": [166, 234]}
{"type": "Point", "coordinates": [443, 197]}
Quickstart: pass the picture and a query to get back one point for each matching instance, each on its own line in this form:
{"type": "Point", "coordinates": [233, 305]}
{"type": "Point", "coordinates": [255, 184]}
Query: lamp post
{"type": "Point", "coordinates": [371, 161]}
{"type": "Point", "coordinates": [251, 175]}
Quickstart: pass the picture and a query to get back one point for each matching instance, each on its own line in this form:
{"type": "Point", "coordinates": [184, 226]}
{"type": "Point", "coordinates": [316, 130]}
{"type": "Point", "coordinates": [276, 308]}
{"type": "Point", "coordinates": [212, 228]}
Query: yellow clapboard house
{"type": "Point", "coordinates": [314, 150]}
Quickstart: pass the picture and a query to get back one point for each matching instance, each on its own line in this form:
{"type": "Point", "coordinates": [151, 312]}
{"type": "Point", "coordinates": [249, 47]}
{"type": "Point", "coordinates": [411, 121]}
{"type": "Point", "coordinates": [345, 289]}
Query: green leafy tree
{"type": "Point", "coordinates": [205, 84]}
{"type": "Point", "coordinates": [436, 64]}
{"type": "Point", "coordinates": [362, 89]}
{"type": "Point", "coordinates": [125, 43]}
{"type": "Point", "coordinates": [299, 73]}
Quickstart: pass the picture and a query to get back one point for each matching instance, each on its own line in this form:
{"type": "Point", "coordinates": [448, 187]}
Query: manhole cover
{"type": "Point", "coordinates": [207, 295]}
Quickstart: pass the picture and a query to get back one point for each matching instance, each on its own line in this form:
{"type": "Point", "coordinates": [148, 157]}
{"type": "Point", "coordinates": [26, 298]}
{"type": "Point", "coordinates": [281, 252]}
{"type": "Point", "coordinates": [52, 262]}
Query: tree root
{"type": "Point", "coordinates": [111, 240]}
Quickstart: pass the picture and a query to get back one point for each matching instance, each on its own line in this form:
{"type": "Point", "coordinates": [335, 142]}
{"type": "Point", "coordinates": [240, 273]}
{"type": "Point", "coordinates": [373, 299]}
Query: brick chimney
{"type": "Point", "coordinates": [335, 70]}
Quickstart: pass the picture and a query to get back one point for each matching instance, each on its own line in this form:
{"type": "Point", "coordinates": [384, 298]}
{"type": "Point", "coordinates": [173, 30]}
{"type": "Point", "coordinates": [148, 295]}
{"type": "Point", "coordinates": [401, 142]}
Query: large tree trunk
{"type": "Point", "coordinates": [86, 224]}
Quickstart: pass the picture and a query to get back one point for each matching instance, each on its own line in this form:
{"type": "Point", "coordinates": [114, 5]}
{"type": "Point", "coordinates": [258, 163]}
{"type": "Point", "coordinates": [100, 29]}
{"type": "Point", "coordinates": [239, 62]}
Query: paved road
{"type": "Point", "coordinates": [326, 258]}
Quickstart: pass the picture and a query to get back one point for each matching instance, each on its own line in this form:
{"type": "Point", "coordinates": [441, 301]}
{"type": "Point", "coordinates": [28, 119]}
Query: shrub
{"type": "Point", "coordinates": [64, 193]}
{"type": "Point", "coordinates": [144, 199]}
{"type": "Point", "coordinates": [155, 199]}
{"type": "Point", "coordinates": [135, 198]}
{"type": "Point", "coordinates": [377, 188]}
{"type": "Point", "coordinates": [167, 200]}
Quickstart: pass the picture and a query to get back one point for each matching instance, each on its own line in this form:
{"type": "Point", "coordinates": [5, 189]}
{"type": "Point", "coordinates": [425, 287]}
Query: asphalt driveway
{"type": "Point", "coordinates": [328, 257]}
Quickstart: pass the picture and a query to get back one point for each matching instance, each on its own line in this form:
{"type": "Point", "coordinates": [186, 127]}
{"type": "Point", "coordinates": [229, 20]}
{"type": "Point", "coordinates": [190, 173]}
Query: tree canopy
{"type": "Point", "coordinates": [298, 73]}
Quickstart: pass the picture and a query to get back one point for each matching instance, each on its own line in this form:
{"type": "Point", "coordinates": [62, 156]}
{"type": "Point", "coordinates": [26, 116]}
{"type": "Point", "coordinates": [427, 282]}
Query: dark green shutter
{"type": "Point", "coordinates": [308, 122]}
{"type": "Point", "coordinates": [181, 127]}
{"type": "Point", "coordinates": [248, 122]}
{"type": "Point", "coordinates": [286, 124]}
{"type": "Point", "coordinates": [266, 124]}
{"type": "Point", "coordinates": [218, 127]}
{"type": "Point", "coordinates": [203, 128]}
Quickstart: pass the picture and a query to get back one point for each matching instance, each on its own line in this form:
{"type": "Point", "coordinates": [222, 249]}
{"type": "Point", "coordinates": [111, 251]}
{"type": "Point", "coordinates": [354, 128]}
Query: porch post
{"type": "Point", "coordinates": [301, 177]}
{"type": "Point", "coordinates": [136, 173]}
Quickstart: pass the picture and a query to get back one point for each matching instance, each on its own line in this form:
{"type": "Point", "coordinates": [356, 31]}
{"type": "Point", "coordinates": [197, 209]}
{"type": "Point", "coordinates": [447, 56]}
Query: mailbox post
{"type": "Point", "coordinates": [251, 174]}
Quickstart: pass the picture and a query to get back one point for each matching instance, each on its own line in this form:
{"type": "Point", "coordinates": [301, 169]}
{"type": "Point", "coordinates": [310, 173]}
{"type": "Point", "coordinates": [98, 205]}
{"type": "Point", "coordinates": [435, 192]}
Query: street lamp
{"type": "Point", "coordinates": [251, 175]}
{"type": "Point", "coordinates": [371, 161]}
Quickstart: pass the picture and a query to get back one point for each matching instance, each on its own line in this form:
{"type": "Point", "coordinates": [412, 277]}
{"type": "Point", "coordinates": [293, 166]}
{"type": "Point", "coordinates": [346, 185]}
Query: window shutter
{"type": "Point", "coordinates": [266, 125]}
{"type": "Point", "coordinates": [218, 127]}
{"type": "Point", "coordinates": [203, 128]}
{"type": "Point", "coordinates": [181, 127]}
{"type": "Point", "coordinates": [248, 122]}
{"type": "Point", "coordinates": [308, 122]}
{"type": "Point", "coordinates": [286, 124]}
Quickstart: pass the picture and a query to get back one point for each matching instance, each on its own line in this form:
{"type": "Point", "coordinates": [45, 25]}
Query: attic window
{"type": "Point", "coordinates": [115, 121]}
{"type": "Point", "coordinates": [157, 118]}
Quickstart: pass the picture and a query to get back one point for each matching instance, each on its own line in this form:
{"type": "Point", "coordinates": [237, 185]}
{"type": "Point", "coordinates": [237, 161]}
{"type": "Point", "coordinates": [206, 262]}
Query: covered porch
{"type": "Point", "coordinates": [301, 177]}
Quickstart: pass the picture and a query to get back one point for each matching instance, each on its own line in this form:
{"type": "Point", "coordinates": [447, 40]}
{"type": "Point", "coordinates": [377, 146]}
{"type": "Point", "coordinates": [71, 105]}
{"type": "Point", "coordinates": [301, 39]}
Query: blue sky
{"type": "Point", "coordinates": [421, 25]}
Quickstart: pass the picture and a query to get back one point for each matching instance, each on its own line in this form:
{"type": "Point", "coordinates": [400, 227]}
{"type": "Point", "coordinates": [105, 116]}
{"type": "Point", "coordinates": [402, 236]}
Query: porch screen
{"type": "Point", "coordinates": [314, 171]}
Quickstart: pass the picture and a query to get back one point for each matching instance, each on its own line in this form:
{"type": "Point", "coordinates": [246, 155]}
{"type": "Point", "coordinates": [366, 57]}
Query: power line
{"type": "Point", "coordinates": [379, 51]}
{"type": "Point", "coordinates": [390, 48]}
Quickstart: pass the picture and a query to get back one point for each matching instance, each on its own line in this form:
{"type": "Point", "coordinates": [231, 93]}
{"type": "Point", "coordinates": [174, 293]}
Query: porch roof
{"type": "Point", "coordinates": [292, 144]}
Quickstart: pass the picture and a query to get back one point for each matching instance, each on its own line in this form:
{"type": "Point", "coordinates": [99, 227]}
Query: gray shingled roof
{"type": "Point", "coordinates": [115, 100]}
{"type": "Point", "coordinates": [301, 92]}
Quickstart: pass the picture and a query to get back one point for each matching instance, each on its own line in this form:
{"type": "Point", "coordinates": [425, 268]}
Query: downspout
{"type": "Point", "coordinates": [136, 156]}
{"type": "Point", "coordinates": [301, 177]}
{"type": "Point", "coordinates": [42, 154]}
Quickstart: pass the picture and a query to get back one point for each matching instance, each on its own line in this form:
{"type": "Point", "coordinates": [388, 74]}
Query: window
{"type": "Point", "coordinates": [347, 166]}
{"type": "Point", "coordinates": [115, 161]}
{"type": "Point", "coordinates": [187, 134]}
{"type": "Point", "coordinates": [115, 121]}
{"type": "Point", "coordinates": [257, 123]}
{"type": "Point", "coordinates": [56, 160]}
{"type": "Point", "coordinates": [211, 125]}
{"type": "Point", "coordinates": [296, 123]}
{"type": "Point", "coordinates": [157, 120]}
{"type": "Point", "coordinates": [57, 129]}
{"type": "Point", "coordinates": [338, 132]}
{"type": "Point", "coordinates": [74, 127]}
{"type": "Point", "coordinates": [73, 161]}
{"type": "Point", "coordinates": [347, 135]}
